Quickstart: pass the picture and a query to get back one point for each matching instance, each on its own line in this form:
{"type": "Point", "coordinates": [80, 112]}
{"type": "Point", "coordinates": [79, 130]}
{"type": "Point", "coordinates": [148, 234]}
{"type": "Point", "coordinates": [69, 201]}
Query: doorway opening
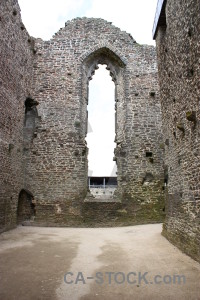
{"type": "Point", "coordinates": [26, 207]}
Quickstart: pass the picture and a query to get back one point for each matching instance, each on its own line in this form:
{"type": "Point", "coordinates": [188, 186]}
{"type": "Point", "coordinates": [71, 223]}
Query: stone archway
{"type": "Point", "coordinates": [26, 207]}
{"type": "Point", "coordinates": [116, 66]}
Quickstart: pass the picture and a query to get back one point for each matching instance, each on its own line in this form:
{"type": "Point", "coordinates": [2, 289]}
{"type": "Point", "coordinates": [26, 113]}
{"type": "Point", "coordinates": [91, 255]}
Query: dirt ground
{"type": "Point", "coordinates": [124, 263]}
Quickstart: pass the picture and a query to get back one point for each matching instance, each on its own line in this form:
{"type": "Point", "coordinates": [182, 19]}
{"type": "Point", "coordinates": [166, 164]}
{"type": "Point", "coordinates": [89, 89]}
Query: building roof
{"type": "Point", "coordinates": [160, 18]}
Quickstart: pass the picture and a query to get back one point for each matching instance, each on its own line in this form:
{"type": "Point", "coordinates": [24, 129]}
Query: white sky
{"type": "Point", "coordinates": [43, 18]}
{"type": "Point", "coordinates": [101, 117]}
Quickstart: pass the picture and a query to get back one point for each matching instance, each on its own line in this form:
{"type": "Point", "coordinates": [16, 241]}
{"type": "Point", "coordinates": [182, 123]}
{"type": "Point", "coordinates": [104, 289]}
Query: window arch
{"type": "Point", "coordinates": [116, 67]}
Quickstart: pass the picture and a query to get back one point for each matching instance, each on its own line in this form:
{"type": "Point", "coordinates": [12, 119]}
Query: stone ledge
{"type": "Point", "coordinates": [101, 200]}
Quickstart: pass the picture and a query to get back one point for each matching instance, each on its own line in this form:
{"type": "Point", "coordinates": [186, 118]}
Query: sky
{"type": "Point", "coordinates": [101, 117]}
{"type": "Point", "coordinates": [43, 18]}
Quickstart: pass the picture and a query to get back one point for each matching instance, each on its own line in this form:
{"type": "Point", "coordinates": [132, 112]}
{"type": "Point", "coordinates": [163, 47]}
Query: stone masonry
{"type": "Point", "coordinates": [178, 51]}
{"type": "Point", "coordinates": [56, 164]}
{"type": "Point", "coordinates": [16, 70]}
{"type": "Point", "coordinates": [44, 96]}
{"type": "Point", "coordinates": [43, 123]}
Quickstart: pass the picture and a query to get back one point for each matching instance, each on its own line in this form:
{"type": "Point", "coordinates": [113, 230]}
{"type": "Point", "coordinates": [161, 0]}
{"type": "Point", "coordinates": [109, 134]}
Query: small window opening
{"type": "Point", "coordinates": [149, 154]}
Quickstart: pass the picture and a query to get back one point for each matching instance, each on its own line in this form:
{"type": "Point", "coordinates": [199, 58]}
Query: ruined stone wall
{"type": "Point", "coordinates": [16, 56]}
{"type": "Point", "coordinates": [56, 163]}
{"type": "Point", "coordinates": [44, 96]}
{"type": "Point", "coordinates": [178, 49]}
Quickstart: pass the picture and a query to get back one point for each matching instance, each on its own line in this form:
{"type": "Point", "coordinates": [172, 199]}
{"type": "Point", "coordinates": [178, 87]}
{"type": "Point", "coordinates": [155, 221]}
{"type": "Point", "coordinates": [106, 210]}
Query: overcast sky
{"type": "Point", "coordinates": [101, 115]}
{"type": "Point", "coordinates": [43, 18]}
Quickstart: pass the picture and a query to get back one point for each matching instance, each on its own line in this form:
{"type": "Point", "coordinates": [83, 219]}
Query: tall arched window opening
{"type": "Point", "coordinates": [101, 125]}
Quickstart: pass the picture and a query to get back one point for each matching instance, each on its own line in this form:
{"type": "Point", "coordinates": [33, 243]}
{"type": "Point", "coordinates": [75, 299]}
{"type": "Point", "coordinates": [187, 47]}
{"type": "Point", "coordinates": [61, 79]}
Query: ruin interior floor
{"type": "Point", "coordinates": [33, 262]}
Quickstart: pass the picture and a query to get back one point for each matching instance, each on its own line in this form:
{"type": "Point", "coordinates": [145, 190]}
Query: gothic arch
{"type": "Point", "coordinates": [117, 68]}
{"type": "Point", "coordinates": [115, 52]}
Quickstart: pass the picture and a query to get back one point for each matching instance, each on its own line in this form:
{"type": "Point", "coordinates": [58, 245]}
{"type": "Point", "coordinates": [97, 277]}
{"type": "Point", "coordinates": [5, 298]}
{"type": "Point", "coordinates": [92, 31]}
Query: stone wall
{"type": "Point", "coordinates": [44, 96]}
{"type": "Point", "coordinates": [178, 50]}
{"type": "Point", "coordinates": [100, 192]}
{"type": "Point", "coordinates": [56, 165]}
{"type": "Point", "coordinates": [16, 66]}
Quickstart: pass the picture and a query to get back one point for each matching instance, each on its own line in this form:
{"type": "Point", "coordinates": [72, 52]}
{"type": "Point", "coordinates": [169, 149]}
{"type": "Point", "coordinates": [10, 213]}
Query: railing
{"type": "Point", "coordinates": [99, 186]}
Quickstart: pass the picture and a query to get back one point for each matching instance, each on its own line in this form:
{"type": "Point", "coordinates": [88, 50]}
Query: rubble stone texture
{"type": "Point", "coordinates": [43, 124]}
{"type": "Point", "coordinates": [178, 51]}
{"type": "Point", "coordinates": [16, 69]}
{"type": "Point", "coordinates": [44, 96]}
{"type": "Point", "coordinates": [56, 165]}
